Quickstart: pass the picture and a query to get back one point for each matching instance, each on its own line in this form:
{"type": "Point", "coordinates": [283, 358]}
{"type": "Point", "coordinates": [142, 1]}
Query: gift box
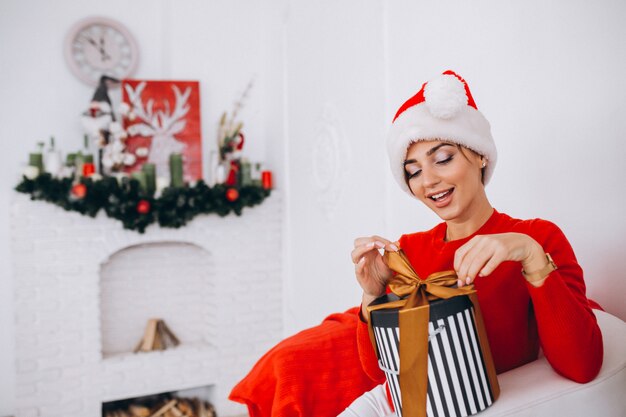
{"type": "Point", "coordinates": [443, 367]}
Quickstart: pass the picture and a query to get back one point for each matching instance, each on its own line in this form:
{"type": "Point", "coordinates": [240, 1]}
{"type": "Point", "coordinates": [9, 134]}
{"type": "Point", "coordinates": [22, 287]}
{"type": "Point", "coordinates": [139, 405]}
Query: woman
{"type": "Point", "coordinates": [528, 282]}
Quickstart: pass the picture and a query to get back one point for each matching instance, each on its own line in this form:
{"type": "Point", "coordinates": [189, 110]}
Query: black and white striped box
{"type": "Point", "coordinates": [458, 384]}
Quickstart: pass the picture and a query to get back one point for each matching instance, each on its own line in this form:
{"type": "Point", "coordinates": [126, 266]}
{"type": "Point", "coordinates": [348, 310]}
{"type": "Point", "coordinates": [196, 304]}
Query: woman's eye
{"type": "Point", "coordinates": [413, 174]}
{"type": "Point", "coordinates": [445, 160]}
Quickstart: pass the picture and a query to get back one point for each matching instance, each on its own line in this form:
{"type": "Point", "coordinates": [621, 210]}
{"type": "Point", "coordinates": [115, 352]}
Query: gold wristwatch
{"type": "Point", "coordinates": [542, 273]}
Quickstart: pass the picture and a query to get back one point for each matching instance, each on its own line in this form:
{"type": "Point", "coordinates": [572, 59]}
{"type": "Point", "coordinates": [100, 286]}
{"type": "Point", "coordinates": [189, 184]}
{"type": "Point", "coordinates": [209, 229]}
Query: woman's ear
{"type": "Point", "coordinates": [483, 165]}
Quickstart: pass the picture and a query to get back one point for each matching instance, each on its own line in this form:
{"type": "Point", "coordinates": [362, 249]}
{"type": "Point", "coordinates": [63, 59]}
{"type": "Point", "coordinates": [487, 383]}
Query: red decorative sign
{"type": "Point", "coordinates": [164, 118]}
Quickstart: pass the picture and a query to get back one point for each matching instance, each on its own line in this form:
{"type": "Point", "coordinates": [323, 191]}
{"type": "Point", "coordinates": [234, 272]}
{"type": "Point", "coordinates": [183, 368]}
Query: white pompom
{"type": "Point", "coordinates": [129, 159]}
{"type": "Point", "coordinates": [445, 96]}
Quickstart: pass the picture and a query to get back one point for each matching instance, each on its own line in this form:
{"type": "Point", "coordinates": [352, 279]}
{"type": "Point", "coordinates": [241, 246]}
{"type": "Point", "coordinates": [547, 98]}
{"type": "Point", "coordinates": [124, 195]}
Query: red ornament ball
{"type": "Point", "coordinates": [232, 194]}
{"type": "Point", "coordinates": [79, 190]}
{"type": "Point", "coordinates": [143, 207]}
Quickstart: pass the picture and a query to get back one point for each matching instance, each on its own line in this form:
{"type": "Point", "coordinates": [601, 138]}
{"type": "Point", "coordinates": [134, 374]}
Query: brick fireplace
{"type": "Point", "coordinates": [85, 289]}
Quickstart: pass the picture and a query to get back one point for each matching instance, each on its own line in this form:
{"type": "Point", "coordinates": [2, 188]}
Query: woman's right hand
{"type": "Point", "coordinates": [371, 271]}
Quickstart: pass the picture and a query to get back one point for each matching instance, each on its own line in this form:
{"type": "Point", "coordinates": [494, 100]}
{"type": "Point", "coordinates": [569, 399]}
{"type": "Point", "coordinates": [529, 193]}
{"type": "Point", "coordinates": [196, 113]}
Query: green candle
{"type": "Point", "coordinates": [245, 173]}
{"type": "Point", "coordinates": [150, 171]}
{"type": "Point", "coordinates": [70, 159]}
{"type": "Point", "coordinates": [176, 170]}
{"type": "Point", "coordinates": [256, 174]}
{"type": "Point", "coordinates": [36, 160]}
{"type": "Point", "coordinates": [141, 177]}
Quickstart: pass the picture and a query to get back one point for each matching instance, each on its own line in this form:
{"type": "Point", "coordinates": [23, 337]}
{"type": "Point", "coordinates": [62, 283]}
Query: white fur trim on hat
{"type": "Point", "coordinates": [463, 125]}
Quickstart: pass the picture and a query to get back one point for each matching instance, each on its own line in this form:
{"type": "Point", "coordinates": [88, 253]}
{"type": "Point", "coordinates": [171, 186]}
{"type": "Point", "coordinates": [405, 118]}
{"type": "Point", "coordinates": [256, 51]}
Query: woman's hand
{"type": "Point", "coordinates": [482, 255]}
{"type": "Point", "coordinates": [371, 271]}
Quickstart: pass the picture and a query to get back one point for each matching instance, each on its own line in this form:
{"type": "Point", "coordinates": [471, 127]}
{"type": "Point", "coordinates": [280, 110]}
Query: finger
{"type": "Point", "coordinates": [490, 266]}
{"type": "Point", "coordinates": [369, 249]}
{"type": "Point", "coordinates": [364, 244]}
{"type": "Point", "coordinates": [360, 241]}
{"type": "Point", "coordinates": [369, 284]}
{"type": "Point", "coordinates": [358, 252]}
{"type": "Point", "coordinates": [474, 251]}
{"type": "Point", "coordinates": [391, 247]}
{"type": "Point", "coordinates": [461, 252]}
{"type": "Point", "coordinates": [499, 256]}
{"type": "Point", "coordinates": [484, 259]}
{"type": "Point", "coordinates": [363, 240]}
{"type": "Point", "coordinates": [360, 266]}
{"type": "Point", "coordinates": [476, 264]}
{"type": "Point", "coordinates": [462, 266]}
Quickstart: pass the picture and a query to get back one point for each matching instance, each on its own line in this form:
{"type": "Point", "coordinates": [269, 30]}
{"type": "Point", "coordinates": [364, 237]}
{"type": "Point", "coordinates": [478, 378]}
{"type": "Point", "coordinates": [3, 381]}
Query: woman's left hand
{"type": "Point", "coordinates": [482, 255]}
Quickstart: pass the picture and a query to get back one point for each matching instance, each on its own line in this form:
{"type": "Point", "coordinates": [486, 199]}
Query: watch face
{"type": "Point", "coordinates": [100, 46]}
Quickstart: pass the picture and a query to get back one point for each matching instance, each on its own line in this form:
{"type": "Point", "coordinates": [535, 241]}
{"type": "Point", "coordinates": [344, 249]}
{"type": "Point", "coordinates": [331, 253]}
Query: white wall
{"type": "Point", "coordinates": [335, 187]}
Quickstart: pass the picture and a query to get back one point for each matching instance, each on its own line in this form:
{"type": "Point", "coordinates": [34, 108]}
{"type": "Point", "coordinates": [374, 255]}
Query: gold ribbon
{"type": "Point", "coordinates": [414, 314]}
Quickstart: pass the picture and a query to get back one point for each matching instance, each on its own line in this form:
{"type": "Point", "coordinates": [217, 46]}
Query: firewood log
{"type": "Point", "coordinates": [147, 342]}
{"type": "Point", "coordinates": [176, 412]}
{"type": "Point", "coordinates": [169, 334]}
{"type": "Point", "coordinates": [163, 409]}
{"type": "Point", "coordinates": [186, 407]}
{"type": "Point", "coordinates": [139, 411]}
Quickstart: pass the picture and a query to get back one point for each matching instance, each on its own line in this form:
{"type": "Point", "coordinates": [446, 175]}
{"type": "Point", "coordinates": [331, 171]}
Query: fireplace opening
{"type": "Point", "coordinates": [168, 283]}
{"type": "Point", "coordinates": [184, 403]}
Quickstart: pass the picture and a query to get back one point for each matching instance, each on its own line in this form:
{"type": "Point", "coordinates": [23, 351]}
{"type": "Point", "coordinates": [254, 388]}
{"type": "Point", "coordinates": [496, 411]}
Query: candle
{"type": "Point", "coordinates": [266, 179]}
{"type": "Point", "coordinates": [233, 174]}
{"type": "Point", "coordinates": [257, 168]}
{"type": "Point", "coordinates": [245, 173]}
{"type": "Point", "coordinates": [150, 171]}
{"type": "Point", "coordinates": [214, 166]}
{"type": "Point", "coordinates": [141, 177]}
{"type": "Point", "coordinates": [70, 160]}
{"type": "Point", "coordinates": [88, 169]}
{"type": "Point", "coordinates": [53, 162]}
{"type": "Point", "coordinates": [220, 173]}
{"type": "Point", "coordinates": [256, 172]}
{"type": "Point", "coordinates": [176, 170]}
{"type": "Point", "coordinates": [36, 160]}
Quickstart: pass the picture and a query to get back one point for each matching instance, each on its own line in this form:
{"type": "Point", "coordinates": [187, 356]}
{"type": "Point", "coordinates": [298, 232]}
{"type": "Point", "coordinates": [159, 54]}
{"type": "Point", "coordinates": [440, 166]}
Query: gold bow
{"type": "Point", "coordinates": [414, 314]}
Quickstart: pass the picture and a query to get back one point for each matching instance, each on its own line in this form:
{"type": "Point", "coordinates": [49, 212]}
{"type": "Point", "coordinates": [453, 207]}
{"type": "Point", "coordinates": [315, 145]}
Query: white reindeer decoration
{"type": "Point", "coordinates": [160, 125]}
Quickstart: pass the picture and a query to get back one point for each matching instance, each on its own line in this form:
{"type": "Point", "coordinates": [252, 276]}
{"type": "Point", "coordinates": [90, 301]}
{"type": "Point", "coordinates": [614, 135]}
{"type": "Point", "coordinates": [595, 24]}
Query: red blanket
{"type": "Point", "coordinates": [316, 372]}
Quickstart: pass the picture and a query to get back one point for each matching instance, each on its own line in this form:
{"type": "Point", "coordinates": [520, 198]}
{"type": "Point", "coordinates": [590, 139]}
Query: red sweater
{"type": "Point", "coordinates": [518, 317]}
{"type": "Point", "coordinates": [318, 371]}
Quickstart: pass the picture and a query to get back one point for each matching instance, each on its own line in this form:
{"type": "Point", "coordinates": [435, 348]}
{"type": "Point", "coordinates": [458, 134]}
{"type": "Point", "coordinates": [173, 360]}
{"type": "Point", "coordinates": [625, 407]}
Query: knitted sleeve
{"type": "Point", "coordinates": [568, 331]}
{"type": "Point", "coordinates": [369, 361]}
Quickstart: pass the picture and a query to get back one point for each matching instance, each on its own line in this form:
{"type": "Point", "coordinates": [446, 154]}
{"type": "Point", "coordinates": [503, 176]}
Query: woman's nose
{"type": "Point", "coordinates": [429, 177]}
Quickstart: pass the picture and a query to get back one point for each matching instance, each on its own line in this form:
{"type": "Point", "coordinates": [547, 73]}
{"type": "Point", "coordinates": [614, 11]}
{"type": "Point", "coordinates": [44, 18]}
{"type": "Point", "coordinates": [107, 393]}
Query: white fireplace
{"type": "Point", "coordinates": [85, 289]}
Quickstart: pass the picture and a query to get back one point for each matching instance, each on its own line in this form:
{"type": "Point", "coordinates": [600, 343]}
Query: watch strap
{"type": "Point", "coordinates": [542, 273]}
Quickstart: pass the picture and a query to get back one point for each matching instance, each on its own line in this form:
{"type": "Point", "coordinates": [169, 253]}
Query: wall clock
{"type": "Point", "coordinates": [98, 46]}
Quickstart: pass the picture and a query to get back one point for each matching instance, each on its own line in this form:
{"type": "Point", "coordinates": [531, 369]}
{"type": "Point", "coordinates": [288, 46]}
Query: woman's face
{"type": "Point", "coordinates": [446, 178]}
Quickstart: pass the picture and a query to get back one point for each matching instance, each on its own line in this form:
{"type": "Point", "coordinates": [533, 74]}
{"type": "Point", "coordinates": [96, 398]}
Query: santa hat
{"type": "Point", "coordinates": [442, 110]}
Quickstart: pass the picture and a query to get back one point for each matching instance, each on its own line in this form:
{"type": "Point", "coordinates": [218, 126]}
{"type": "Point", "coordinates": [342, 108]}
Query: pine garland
{"type": "Point", "coordinates": [125, 201]}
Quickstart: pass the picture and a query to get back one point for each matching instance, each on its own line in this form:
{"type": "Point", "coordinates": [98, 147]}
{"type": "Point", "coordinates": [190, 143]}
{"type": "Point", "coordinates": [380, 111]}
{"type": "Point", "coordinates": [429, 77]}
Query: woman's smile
{"type": "Point", "coordinates": [442, 198]}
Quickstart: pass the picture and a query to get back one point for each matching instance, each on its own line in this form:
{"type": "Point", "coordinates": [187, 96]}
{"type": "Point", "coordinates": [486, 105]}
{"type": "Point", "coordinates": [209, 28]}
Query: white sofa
{"type": "Point", "coordinates": [536, 390]}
